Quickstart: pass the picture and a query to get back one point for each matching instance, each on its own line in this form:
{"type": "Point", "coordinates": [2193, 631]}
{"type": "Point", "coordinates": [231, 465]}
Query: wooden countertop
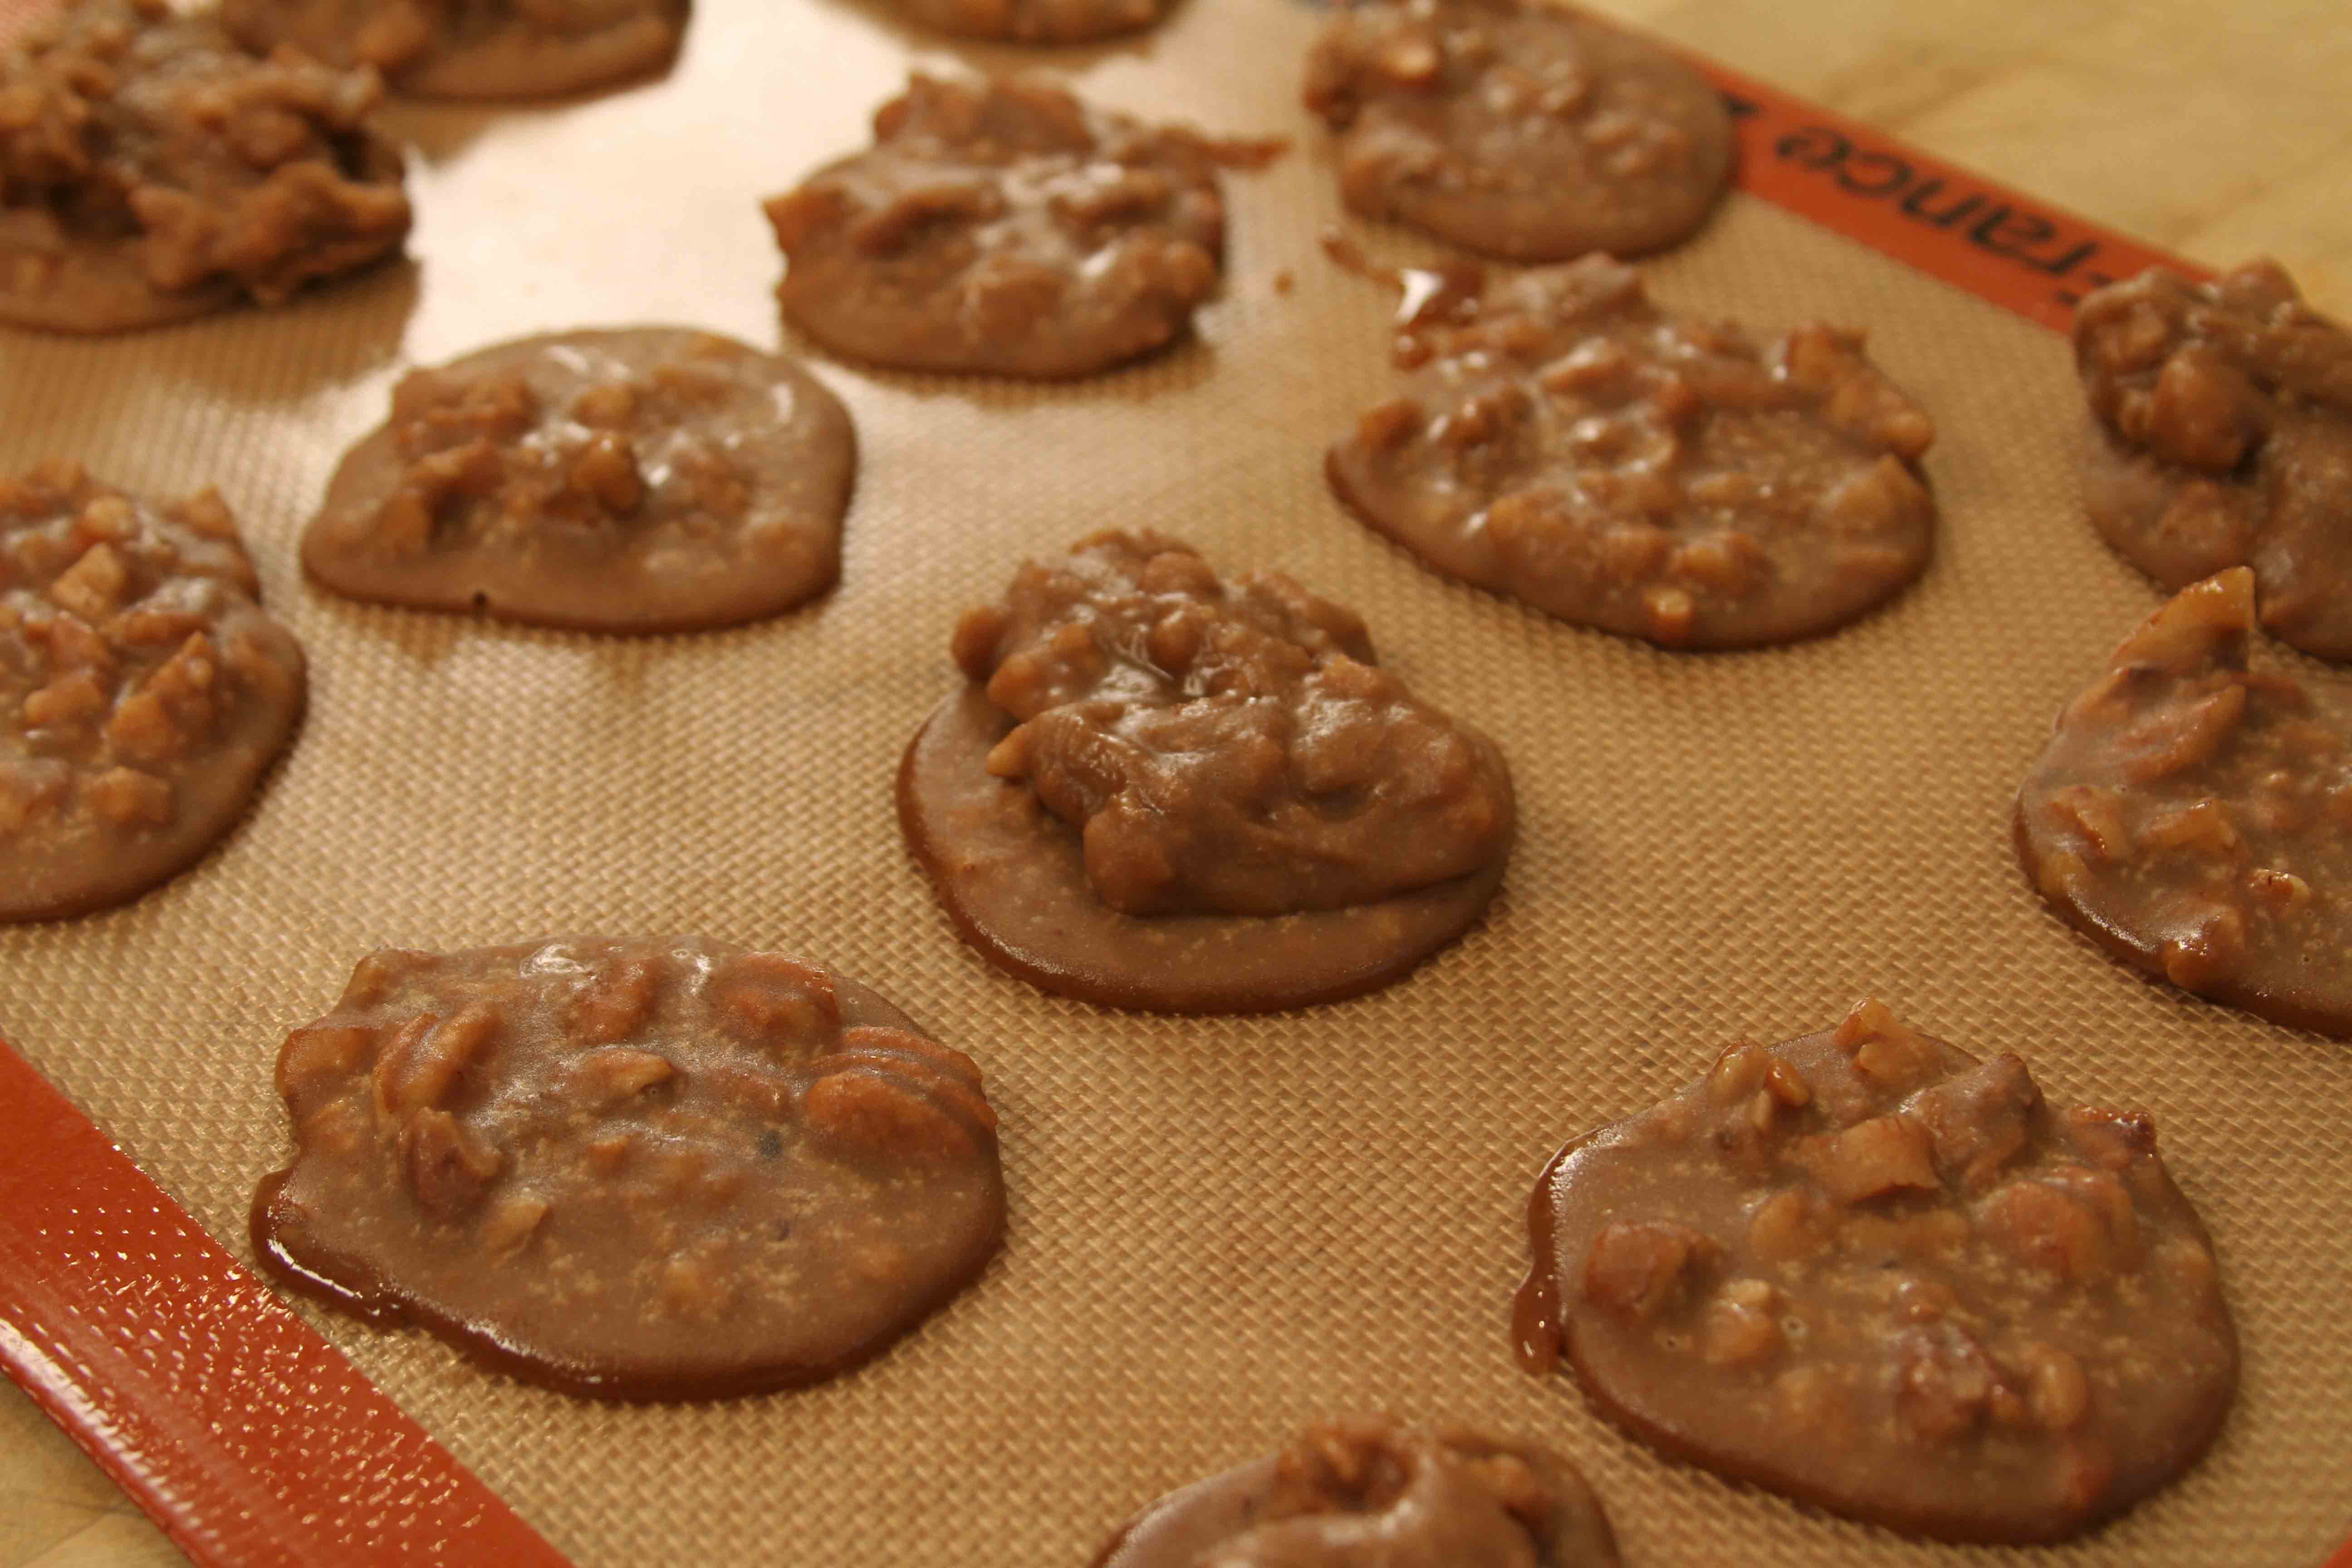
{"type": "Point", "coordinates": [2216, 132]}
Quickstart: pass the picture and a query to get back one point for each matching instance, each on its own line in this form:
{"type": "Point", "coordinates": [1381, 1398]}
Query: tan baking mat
{"type": "Point", "coordinates": [1221, 1229]}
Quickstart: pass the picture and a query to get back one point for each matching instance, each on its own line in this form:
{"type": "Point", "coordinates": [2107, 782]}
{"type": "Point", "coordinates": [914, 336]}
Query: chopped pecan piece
{"type": "Point", "coordinates": [1883, 1155]}
{"type": "Point", "coordinates": [1643, 1270]}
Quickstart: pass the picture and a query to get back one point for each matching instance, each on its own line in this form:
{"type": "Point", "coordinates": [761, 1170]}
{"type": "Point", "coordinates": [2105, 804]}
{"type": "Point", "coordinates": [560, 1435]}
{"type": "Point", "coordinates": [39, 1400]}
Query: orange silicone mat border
{"type": "Point", "coordinates": [1998, 244]}
{"type": "Point", "coordinates": [240, 1431]}
{"type": "Point", "coordinates": [159, 1354]}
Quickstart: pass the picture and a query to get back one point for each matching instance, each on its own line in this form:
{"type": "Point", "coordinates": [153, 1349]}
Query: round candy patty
{"type": "Point", "coordinates": [1869, 1270]}
{"type": "Point", "coordinates": [2193, 814]}
{"type": "Point", "coordinates": [151, 170]}
{"type": "Point", "coordinates": [1162, 790]}
{"type": "Point", "coordinates": [472, 48]}
{"type": "Point", "coordinates": [1563, 441]}
{"type": "Point", "coordinates": [1373, 1494]}
{"type": "Point", "coordinates": [2223, 438]}
{"type": "Point", "coordinates": [631, 1169]}
{"type": "Point", "coordinates": [639, 480]}
{"type": "Point", "coordinates": [1036, 21]}
{"type": "Point", "coordinates": [143, 693]}
{"type": "Point", "coordinates": [1518, 128]}
{"type": "Point", "coordinates": [1000, 225]}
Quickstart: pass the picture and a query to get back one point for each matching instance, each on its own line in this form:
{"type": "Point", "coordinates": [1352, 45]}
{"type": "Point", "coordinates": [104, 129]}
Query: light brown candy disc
{"type": "Point", "coordinates": [143, 692]}
{"type": "Point", "coordinates": [151, 170]}
{"type": "Point", "coordinates": [2222, 437]}
{"type": "Point", "coordinates": [1162, 791]}
{"type": "Point", "coordinates": [2193, 814]}
{"type": "Point", "coordinates": [1867, 1270]}
{"type": "Point", "coordinates": [1000, 225]}
{"type": "Point", "coordinates": [1370, 1493]}
{"type": "Point", "coordinates": [1563, 441]}
{"type": "Point", "coordinates": [473, 48]}
{"type": "Point", "coordinates": [1036, 21]}
{"type": "Point", "coordinates": [636, 479]}
{"type": "Point", "coordinates": [638, 1170]}
{"type": "Point", "coordinates": [1517, 128]}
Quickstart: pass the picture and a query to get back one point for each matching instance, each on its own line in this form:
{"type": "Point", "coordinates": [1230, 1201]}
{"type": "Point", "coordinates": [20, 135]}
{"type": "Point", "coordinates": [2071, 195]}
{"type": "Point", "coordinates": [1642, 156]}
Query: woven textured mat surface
{"type": "Point", "coordinates": [1221, 1229]}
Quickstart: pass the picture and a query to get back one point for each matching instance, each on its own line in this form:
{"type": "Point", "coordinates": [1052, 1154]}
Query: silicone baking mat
{"type": "Point", "coordinates": [1221, 1229]}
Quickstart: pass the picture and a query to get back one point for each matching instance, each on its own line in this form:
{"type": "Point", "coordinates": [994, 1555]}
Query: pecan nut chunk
{"type": "Point", "coordinates": [1869, 1270]}
{"type": "Point", "coordinates": [1371, 1493]}
{"type": "Point", "coordinates": [1161, 789]}
{"type": "Point", "coordinates": [143, 693]}
{"type": "Point", "coordinates": [472, 48]}
{"type": "Point", "coordinates": [2222, 436]}
{"type": "Point", "coordinates": [634, 1170]}
{"type": "Point", "coordinates": [638, 479]}
{"type": "Point", "coordinates": [151, 170]}
{"type": "Point", "coordinates": [2192, 814]}
{"type": "Point", "coordinates": [1000, 225]}
{"type": "Point", "coordinates": [1036, 21]}
{"type": "Point", "coordinates": [1561, 441]}
{"type": "Point", "coordinates": [1521, 129]}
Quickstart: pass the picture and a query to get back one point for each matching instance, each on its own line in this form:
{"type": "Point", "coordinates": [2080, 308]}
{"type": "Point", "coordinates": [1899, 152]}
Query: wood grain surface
{"type": "Point", "coordinates": [2217, 132]}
